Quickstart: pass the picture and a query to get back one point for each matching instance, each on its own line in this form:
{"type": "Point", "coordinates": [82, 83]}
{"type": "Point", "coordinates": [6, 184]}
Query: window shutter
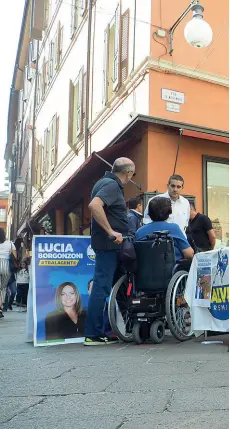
{"type": "Point", "coordinates": [105, 66]}
{"type": "Point", "coordinates": [61, 44]}
{"type": "Point", "coordinates": [34, 52]}
{"type": "Point", "coordinates": [79, 104]}
{"type": "Point", "coordinates": [25, 88]}
{"type": "Point", "coordinates": [35, 178]}
{"type": "Point", "coordinates": [56, 141]}
{"type": "Point", "coordinates": [71, 113]}
{"type": "Point", "coordinates": [124, 46]}
{"type": "Point", "coordinates": [39, 164]}
{"type": "Point", "coordinates": [42, 164]}
{"type": "Point", "coordinates": [38, 95]}
{"type": "Point", "coordinates": [47, 10]}
{"type": "Point", "coordinates": [46, 155]}
{"type": "Point", "coordinates": [20, 106]}
{"type": "Point", "coordinates": [53, 136]}
{"type": "Point", "coordinates": [73, 18]}
{"type": "Point", "coordinates": [56, 48]}
{"type": "Point", "coordinates": [50, 62]}
{"type": "Point", "coordinates": [83, 7]}
{"type": "Point", "coordinates": [116, 56]}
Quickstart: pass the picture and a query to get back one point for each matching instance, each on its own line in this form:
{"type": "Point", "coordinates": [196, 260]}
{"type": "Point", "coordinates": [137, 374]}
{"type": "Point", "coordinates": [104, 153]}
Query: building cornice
{"type": "Point", "coordinates": [167, 67]}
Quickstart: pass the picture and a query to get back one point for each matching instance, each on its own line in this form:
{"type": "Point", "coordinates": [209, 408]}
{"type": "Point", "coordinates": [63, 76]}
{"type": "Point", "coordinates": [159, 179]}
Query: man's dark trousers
{"type": "Point", "coordinates": [106, 264]}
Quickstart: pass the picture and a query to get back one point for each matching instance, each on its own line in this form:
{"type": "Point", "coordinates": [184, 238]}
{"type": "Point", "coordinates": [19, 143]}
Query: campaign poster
{"type": "Point", "coordinates": [215, 315]}
{"type": "Point", "coordinates": [63, 268]}
{"type": "Point", "coordinates": [204, 281]}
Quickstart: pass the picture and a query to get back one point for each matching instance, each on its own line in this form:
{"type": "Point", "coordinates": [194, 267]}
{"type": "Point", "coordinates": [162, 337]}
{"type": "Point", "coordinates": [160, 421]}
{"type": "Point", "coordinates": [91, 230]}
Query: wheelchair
{"type": "Point", "coordinates": [149, 298]}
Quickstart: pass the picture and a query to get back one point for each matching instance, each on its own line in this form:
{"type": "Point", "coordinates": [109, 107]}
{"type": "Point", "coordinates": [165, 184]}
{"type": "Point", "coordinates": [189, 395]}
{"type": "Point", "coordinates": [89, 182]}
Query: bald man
{"type": "Point", "coordinates": [109, 219]}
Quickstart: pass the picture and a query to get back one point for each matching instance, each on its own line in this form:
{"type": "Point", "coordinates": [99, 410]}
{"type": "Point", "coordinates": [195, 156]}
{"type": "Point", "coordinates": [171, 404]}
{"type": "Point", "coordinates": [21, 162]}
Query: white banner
{"type": "Point", "coordinates": [207, 291]}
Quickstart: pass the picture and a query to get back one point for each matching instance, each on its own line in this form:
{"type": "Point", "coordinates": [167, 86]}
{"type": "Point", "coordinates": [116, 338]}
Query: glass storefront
{"type": "Point", "coordinates": [217, 198]}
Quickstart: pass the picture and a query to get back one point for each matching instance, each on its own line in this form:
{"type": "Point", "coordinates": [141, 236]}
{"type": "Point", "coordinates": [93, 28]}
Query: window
{"type": "Point", "coordinates": [47, 13]}
{"type": "Point", "coordinates": [20, 105]}
{"type": "Point", "coordinates": [78, 8]}
{"type": "Point", "coordinates": [50, 148]}
{"type": "Point", "coordinates": [26, 86]}
{"type": "Point", "coordinates": [51, 62]}
{"type": "Point", "coordinates": [2, 215]}
{"type": "Point", "coordinates": [38, 164]}
{"type": "Point", "coordinates": [75, 109]}
{"type": "Point", "coordinates": [55, 52]}
{"type": "Point", "coordinates": [38, 93]}
{"type": "Point", "coordinates": [216, 197]}
{"type": "Point", "coordinates": [116, 42]}
{"type": "Point", "coordinates": [44, 78]}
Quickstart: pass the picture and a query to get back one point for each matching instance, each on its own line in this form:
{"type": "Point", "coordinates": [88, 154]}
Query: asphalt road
{"type": "Point", "coordinates": [172, 385]}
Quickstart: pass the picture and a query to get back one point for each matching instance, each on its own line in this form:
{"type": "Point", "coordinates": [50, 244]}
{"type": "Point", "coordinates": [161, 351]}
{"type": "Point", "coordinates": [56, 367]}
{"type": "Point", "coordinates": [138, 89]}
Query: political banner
{"type": "Point", "coordinates": [63, 268]}
{"type": "Point", "coordinates": [207, 291]}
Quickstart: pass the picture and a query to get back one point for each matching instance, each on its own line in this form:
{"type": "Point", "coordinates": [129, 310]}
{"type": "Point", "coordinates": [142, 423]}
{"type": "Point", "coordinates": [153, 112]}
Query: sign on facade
{"type": "Point", "coordinates": [172, 107]}
{"type": "Point", "coordinates": [173, 96]}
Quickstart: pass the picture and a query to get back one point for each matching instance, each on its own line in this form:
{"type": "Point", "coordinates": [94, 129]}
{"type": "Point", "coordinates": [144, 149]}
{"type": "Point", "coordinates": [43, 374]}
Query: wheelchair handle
{"type": "Point", "coordinates": [112, 238]}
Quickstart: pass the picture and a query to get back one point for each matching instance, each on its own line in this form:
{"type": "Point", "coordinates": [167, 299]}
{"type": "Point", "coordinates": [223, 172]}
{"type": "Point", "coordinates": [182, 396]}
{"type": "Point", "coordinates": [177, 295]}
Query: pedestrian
{"type": "Point", "coordinates": [200, 231]}
{"type": "Point", "coordinates": [135, 214]}
{"type": "Point", "coordinates": [180, 205]}
{"type": "Point", "coordinates": [6, 248]}
{"type": "Point", "coordinates": [10, 294]}
{"type": "Point", "coordinates": [109, 220]}
{"type": "Point", "coordinates": [22, 280]}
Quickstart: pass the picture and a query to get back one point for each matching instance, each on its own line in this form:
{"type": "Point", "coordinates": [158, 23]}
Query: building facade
{"type": "Point", "coordinates": [4, 195]}
{"type": "Point", "coordinates": [95, 78]}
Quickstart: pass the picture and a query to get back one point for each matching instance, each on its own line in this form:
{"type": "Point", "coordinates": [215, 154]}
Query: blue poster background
{"type": "Point", "coordinates": [48, 278]}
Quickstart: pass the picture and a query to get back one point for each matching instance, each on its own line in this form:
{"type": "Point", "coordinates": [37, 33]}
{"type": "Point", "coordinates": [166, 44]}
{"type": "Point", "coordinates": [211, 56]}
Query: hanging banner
{"type": "Point", "coordinates": [63, 267]}
{"type": "Point", "coordinates": [207, 291]}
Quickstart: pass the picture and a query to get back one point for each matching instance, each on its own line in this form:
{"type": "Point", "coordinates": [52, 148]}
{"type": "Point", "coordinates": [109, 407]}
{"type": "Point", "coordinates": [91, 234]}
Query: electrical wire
{"type": "Point", "coordinates": [162, 44]}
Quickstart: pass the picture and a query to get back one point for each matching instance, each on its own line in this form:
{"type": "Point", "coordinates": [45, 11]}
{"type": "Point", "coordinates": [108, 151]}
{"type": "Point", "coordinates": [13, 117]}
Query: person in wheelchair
{"type": "Point", "coordinates": [160, 209]}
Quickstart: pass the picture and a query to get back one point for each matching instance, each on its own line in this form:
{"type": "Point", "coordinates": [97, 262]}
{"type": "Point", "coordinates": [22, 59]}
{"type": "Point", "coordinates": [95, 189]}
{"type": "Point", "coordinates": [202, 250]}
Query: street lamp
{"type": "Point", "coordinates": [20, 185]}
{"type": "Point", "coordinates": [197, 32]}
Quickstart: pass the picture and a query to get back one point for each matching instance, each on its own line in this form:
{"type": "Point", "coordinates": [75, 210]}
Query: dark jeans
{"type": "Point", "coordinates": [106, 264]}
{"type": "Point", "coordinates": [22, 292]}
{"type": "Point", "coordinates": [9, 299]}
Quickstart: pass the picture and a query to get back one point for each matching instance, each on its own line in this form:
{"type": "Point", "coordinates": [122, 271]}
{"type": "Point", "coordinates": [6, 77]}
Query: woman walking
{"type": "Point", "coordinates": [6, 248]}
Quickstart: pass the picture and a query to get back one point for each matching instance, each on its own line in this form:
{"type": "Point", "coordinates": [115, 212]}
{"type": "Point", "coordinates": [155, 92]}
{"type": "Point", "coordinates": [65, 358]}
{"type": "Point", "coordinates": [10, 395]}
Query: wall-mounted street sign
{"type": "Point", "coordinates": [173, 96]}
{"type": "Point", "coordinates": [172, 107]}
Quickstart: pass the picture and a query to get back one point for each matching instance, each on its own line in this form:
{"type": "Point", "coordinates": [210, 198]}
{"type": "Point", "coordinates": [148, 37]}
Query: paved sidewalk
{"type": "Point", "coordinates": [172, 385]}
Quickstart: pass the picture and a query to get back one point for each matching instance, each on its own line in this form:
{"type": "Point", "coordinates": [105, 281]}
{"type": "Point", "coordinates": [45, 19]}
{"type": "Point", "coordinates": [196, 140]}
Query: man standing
{"type": "Point", "coordinates": [135, 214]}
{"type": "Point", "coordinates": [180, 205]}
{"type": "Point", "coordinates": [200, 232]}
{"type": "Point", "coordinates": [109, 219]}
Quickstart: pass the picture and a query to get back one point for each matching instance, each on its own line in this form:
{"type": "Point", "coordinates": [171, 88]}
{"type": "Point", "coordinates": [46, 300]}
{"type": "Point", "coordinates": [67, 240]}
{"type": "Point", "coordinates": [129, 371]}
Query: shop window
{"type": "Point", "coordinates": [2, 215]}
{"type": "Point", "coordinates": [216, 197]}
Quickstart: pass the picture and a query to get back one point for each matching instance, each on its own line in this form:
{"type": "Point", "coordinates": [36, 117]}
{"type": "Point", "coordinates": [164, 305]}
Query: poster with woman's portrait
{"type": "Point", "coordinates": [63, 268]}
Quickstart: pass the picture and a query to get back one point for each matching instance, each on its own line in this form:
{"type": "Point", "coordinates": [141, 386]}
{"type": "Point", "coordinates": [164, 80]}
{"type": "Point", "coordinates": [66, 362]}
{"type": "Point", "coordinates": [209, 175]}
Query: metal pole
{"type": "Point", "coordinates": [87, 84]}
{"type": "Point", "coordinates": [178, 149]}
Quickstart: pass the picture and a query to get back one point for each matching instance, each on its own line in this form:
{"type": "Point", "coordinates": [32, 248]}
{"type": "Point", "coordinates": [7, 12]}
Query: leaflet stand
{"type": "Point", "coordinates": [205, 342]}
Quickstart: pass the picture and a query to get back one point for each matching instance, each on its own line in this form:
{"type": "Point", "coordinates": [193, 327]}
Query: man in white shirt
{"type": "Point", "coordinates": [180, 206]}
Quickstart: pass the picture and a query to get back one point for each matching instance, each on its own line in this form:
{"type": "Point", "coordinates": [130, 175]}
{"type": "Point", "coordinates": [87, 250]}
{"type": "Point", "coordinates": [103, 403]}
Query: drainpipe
{"type": "Point", "coordinates": [33, 129]}
{"type": "Point", "coordinates": [134, 33]}
{"type": "Point", "coordinates": [86, 133]}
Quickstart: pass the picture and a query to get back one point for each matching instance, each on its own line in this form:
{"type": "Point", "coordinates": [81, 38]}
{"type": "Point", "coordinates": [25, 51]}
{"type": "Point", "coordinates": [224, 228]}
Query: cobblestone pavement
{"type": "Point", "coordinates": [172, 385]}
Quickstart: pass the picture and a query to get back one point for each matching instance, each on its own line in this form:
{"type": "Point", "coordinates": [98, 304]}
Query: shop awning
{"type": "Point", "coordinates": [88, 171]}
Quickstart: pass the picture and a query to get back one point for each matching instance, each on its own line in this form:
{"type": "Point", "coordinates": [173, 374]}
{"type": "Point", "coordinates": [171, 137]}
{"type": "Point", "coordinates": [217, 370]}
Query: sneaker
{"type": "Point", "coordinates": [10, 307]}
{"type": "Point", "coordinates": [97, 341]}
{"type": "Point", "coordinates": [1, 314]}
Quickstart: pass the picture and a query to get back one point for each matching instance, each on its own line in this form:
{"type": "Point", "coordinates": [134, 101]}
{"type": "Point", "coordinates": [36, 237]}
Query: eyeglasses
{"type": "Point", "coordinates": [176, 186]}
{"type": "Point", "coordinates": [134, 174]}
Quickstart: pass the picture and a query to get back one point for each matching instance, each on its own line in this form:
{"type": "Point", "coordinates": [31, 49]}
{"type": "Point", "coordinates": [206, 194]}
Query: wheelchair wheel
{"type": "Point", "coordinates": [119, 319]}
{"type": "Point", "coordinates": [157, 331]}
{"type": "Point", "coordinates": [137, 331]}
{"type": "Point", "coordinates": [177, 310]}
